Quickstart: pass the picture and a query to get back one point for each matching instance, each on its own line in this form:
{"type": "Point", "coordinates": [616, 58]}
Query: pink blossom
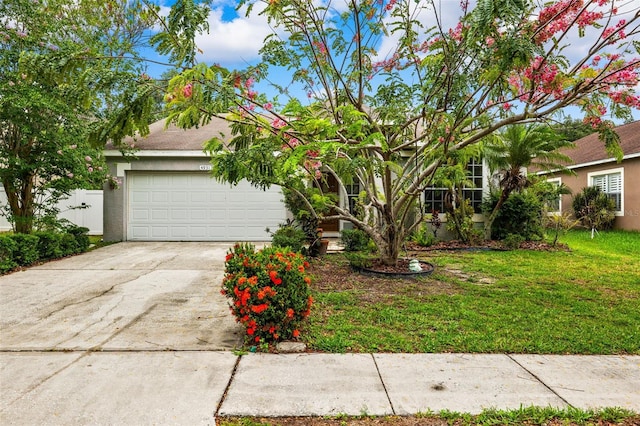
{"type": "Point", "coordinates": [278, 123]}
{"type": "Point", "coordinates": [90, 169]}
{"type": "Point", "coordinates": [268, 106]}
{"type": "Point", "coordinates": [73, 146]}
{"type": "Point", "coordinates": [87, 159]}
{"type": "Point", "coordinates": [506, 106]}
{"type": "Point", "coordinates": [187, 90]}
{"type": "Point", "coordinates": [489, 41]}
{"type": "Point", "coordinates": [70, 175]}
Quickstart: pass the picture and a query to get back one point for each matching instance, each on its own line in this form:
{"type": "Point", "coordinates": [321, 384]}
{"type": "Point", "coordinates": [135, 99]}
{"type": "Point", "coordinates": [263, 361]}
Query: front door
{"type": "Point", "coordinates": [330, 185]}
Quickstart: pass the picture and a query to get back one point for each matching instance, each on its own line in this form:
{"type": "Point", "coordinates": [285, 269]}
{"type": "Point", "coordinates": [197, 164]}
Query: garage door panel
{"type": "Point", "coordinates": [194, 207]}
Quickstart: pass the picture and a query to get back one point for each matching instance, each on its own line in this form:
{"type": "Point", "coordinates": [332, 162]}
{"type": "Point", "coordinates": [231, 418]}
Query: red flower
{"type": "Point", "coordinates": [290, 313]}
{"type": "Point", "coordinates": [229, 257]}
{"type": "Point", "coordinates": [259, 308]}
{"type": "Point", "coordinates": [296, 333]}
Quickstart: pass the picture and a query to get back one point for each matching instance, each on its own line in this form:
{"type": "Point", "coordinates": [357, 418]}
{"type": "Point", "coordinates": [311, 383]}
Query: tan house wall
{"type": "Point", "coordinates": [630, 217]}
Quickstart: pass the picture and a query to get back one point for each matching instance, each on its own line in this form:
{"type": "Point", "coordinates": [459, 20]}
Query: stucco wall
{"type": "Point", "coordinates": [630, 217]}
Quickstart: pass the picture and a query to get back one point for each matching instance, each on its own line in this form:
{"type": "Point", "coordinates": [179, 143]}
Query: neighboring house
{"type": "Point", "coordinates": [594, 167]}
{"type": "Point", "coordinates": [166, 192]}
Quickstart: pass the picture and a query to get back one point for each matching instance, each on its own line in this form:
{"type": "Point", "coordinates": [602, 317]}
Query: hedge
{"type": "Point", "coordinates": [26, 249]}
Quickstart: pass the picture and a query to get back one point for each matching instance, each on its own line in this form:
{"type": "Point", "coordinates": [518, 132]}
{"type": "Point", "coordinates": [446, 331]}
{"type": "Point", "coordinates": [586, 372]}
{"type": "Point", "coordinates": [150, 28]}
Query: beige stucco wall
{"type": "Point", "coordinates": [630, 217]}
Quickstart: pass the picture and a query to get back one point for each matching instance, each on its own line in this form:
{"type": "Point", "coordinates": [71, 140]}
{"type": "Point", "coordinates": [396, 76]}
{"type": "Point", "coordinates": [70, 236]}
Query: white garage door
{"type": "Point", "coordinates": [194, 207]}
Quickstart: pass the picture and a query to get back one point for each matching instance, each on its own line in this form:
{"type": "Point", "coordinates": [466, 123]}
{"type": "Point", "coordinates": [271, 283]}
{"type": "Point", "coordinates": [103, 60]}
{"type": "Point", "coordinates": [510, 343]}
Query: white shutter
{"type": "Point", "coordinates": [600, 182]}
{"type": "Point", "coordinates": [615, 182]}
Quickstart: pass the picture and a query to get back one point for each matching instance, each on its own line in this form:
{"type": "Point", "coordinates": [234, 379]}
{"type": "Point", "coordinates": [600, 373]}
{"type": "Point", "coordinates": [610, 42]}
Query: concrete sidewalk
{"type": "Point", "coordinates": [193, 387]}
{"type": "Point", "coordinates": [138, 334]}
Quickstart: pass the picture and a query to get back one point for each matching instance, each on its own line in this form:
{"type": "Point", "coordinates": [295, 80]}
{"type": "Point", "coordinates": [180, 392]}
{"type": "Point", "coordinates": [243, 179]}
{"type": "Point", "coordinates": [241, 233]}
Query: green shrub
{"type": "Point", "coordinates": [68, 244]}
{"type": "Point", "coordinates": [521, 214]}
{"type": "Point", "coordinates": [81, 234]}
{"type": "Point", "coordinates": [359, 260]}
{"type": "Point", "coordinates": [513, 241]}
{"type": "Point", "coordinates": [594, 208]}
{"type": "Point", "coordinates": [289, 236]}
{"type": "Point", "coordinates": [7, 248]}
{"type": "Point", "coordinates": [269, 291]}
{"type": "Point", "coordinates": [423, 236]}
{"type": "Point", "coordinates": [49, 244]}
{"type": "Point", "coordinates": [354, 240]}
{"type": "Point", "coordinates": [26, 251]}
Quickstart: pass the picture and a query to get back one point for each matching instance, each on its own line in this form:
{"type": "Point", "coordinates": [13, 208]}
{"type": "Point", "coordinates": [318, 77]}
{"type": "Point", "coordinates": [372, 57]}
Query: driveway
{"type": "Point", "coordinates": [126, 296]}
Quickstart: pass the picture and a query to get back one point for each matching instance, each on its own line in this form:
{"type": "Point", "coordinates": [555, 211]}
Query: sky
{"type": "Point", "coordinates": [234, 40]}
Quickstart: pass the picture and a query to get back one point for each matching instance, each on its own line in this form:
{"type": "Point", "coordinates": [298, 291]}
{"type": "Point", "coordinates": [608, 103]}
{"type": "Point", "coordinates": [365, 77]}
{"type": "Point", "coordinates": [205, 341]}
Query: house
{"type": "Point", "coordinates": [594, 167]}
{"type": "Point", "coordinates": [165, 192]}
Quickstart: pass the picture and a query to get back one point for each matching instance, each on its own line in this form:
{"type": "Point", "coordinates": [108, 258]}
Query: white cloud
{"type": "Point", "coordinates": [233, 42]}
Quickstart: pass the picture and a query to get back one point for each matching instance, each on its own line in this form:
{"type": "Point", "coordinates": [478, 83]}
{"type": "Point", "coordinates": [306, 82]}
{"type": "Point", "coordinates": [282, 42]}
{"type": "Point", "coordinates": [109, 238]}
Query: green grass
{"type": "Point", "coordinates": [529, 416]}
{"type": "Point", "coordinates": [586, 301]}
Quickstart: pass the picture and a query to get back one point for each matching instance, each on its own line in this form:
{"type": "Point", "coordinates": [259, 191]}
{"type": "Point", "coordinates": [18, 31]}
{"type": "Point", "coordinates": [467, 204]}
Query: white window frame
{"type": "Point", "coordinates": [599, 173]}
{"type": "Point", "coordinates": [557, 181]}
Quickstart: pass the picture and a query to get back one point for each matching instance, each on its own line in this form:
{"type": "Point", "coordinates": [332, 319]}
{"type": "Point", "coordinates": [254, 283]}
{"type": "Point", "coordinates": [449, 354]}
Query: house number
{"type": "Point", "coordinates": [206, 167]}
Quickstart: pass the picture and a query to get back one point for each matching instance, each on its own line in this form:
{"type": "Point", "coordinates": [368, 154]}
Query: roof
{"type": "Point", "coordinates": [174, 138]}
{"type": "Point", "coordinates": [590, 149]}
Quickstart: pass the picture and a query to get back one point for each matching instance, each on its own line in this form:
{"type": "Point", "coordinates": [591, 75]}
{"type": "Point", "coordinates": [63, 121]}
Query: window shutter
{"type": "Point", "coordinates": [615, 182]}
{"type": "Point", "coordinates": [600, 182]}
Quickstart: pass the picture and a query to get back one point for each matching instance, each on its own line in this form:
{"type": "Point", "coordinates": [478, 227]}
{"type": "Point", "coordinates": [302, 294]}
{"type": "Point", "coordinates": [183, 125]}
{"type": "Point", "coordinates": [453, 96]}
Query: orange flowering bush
{"type": "Point", "coordinates": [269, 291]}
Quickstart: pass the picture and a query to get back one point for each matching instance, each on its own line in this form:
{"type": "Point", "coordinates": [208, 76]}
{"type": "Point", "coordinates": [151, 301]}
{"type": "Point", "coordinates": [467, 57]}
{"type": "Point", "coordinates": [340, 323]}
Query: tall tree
{"type": "Point", "coordinates": [511, 151]}
{"type": "Point", "coordinates": [66, 86]}
{"type": "Point", "coordinates": [389, 117]}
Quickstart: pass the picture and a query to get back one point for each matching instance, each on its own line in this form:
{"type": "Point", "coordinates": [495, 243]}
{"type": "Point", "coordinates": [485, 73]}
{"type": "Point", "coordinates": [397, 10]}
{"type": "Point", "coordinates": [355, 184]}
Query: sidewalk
{"type": "Point", "coordinates": [139, 334]}
{"type": "Point", "coordinates": [192, 387]}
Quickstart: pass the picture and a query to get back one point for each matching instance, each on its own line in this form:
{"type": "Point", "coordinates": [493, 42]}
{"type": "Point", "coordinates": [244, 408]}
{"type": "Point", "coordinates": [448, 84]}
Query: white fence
{"type": "Point", "coordinates": [90, 217]}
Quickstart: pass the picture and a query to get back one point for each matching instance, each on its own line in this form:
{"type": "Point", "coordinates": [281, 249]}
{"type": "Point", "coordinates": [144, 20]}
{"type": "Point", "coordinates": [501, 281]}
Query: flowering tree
{"type": "Point", "coordinates": [393, 91]}
{"type": "Point", "coordinates": [62, 95]}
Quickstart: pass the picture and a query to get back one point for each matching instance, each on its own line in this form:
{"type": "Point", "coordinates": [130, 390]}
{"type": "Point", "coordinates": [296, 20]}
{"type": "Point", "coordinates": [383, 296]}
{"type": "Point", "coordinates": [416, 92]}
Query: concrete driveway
{"type": "Point", "coordinates": [126, 319]}
{"type": "Point", "coordinates": [127, 296]}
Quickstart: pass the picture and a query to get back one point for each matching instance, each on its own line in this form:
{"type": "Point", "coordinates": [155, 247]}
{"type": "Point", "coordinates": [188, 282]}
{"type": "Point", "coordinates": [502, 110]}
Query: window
{"type": "Point", "coordinates": [555, 205]}
{"type": "Point", "coordinates": [353, 192]}
{"type": "Point", "coordinates": [435, 198]}
{"type": "Point", "coordinates": [611, 183]}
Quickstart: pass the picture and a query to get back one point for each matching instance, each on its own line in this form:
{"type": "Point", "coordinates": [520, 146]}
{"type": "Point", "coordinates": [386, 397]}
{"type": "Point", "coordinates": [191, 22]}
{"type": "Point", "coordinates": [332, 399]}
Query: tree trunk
{"type": "Point", "coordinates": [21, 205]}
{"type": "Point", "coordinates": [494, 214]}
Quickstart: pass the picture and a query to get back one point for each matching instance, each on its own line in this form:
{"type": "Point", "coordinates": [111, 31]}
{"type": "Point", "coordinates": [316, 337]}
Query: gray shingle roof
{"type": "Point", "coordinates": [175, 138]}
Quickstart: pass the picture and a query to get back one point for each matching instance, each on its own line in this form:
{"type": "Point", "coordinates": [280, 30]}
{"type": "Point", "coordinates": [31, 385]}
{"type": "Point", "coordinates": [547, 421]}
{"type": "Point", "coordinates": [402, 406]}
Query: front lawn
{"type": "Point", "coordinates": [586, 301]}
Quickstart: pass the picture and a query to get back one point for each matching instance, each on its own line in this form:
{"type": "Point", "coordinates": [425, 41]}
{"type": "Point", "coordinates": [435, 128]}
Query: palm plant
{"type": "Point", "coordinates": [517, 148]}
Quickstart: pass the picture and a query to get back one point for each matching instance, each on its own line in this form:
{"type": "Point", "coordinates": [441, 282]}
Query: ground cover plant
{"type": "Point", "coordinates": [582, 301]}
{"type": "Point", "coordinates": [524, 416]}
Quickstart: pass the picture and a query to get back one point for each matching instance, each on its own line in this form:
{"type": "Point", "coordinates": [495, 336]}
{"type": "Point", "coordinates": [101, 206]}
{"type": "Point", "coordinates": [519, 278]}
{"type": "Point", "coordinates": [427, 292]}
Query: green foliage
{"type": "Point", "coordinates": [594, 208]}
{"type": "Point", "coordinates": [269, 292]}
{"type": "Point", "coordinates": [389, 125]}
{"type": "Point", "coordinates": [521, 214]}
{"type": "Point", "coordinates": [423, 236]}
{"type": "Point", "coordinates": [559, 224]}
{"type": "Point", "coordinates": [354, 240]}
{"type": "Point", "coordinates": [69, 245]}
{"type": "Point", "coordinates": [7, 249]}
{"type": "Point", "coordinates": [513, 241]}
{"type": "Point", "coordinates": [289, 236]}
{"type": "Point", "coordinates": [26, 251]}
{"type": "Point", "coordinates": [49, 244]}
{"type": "Point", "coordinates": [67, 88]}
{"type": "Point", "coordinates": [359, 260]}
{"type": "Point", "coordinates": [460, 221]}
{"type": "Point", "coordinates": [81, 235]}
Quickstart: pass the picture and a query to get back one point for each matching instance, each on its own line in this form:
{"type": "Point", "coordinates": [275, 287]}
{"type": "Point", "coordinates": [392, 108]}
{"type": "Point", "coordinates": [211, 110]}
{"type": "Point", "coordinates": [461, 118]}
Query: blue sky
{"type": "Point", "coordinates": [234, 39]}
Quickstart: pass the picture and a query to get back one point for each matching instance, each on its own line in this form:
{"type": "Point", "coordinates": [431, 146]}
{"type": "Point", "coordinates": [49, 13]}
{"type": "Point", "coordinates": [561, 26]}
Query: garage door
{"type": "Point", "coordinates": [194, 207]}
